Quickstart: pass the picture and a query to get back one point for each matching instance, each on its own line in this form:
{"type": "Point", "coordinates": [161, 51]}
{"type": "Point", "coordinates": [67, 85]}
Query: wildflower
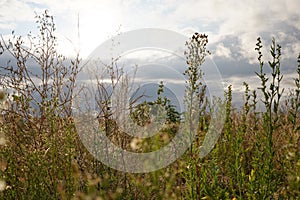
{"type": "Point", "coordinates": [134, 143]}
{"type": "Point", "coordinates": [2, 185]}
{"type": "Point", "coordinates": [2, 141]}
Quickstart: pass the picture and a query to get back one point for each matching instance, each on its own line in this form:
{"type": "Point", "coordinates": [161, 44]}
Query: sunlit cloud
{"type": "Point", "coordinates": [232, 27]}
{"type": "Point", "coordinates": [99, 20]}
{"type": "Point", "coordinates": [223, 51]}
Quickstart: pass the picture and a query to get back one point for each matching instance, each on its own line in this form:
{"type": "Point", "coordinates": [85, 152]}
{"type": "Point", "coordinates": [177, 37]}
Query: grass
{"type": "Point", "coordinates": [256, 157]}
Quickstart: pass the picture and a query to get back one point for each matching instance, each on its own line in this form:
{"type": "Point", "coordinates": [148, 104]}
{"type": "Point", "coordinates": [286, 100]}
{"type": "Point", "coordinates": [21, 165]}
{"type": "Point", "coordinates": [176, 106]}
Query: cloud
{"type": "Point", "coordinates": [101, 19]}
{"type": "Point", "coordinates": [14, 12]}
{"type": "Point", "coordinates": [232, 26]}
{"type": "Point", "coordinates": [223, 51]}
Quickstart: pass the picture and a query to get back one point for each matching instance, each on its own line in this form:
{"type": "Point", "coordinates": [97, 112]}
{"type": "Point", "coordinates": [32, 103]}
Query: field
{"type": "Point", "coordinates": [257, 155]}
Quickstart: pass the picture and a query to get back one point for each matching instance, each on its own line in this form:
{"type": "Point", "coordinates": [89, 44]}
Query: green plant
{"type": "Point", "coordinates": [42, 157]}
{"type": "Point", "coordinates": [37, 124]}
{"type": "Point", "coordinates": [272, 94]}
{"type": "Point", "coordinates": [195, 102]}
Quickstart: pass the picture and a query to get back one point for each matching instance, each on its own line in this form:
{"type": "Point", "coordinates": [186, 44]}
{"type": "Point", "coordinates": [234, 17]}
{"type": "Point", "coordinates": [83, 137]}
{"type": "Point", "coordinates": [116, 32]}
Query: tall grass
{"type": "Point", "coordinates": [256, 157]}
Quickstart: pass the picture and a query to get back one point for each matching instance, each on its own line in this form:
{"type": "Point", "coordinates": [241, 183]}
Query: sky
{"type": "Point", "coordinates": [232, 27]}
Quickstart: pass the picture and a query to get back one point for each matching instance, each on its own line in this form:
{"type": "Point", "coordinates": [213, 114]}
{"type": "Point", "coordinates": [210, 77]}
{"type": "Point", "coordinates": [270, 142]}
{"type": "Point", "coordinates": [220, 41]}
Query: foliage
{"type": "Point", "coordinates": [256, 157]}
{"type": "Point", "coordinates": [141, 113]}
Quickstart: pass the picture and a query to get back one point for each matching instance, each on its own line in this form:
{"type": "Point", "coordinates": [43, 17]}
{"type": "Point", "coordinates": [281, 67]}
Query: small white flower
{"type": "Point", "coordinates": [134, 143]}
{"type": "Point", "coordinates": [2, 141]}
{"type": "Point", "coordinates": [2, 185]}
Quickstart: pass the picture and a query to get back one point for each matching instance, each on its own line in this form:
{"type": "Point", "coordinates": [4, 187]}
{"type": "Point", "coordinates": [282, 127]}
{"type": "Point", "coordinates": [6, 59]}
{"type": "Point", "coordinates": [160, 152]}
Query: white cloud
{"type": "Point", "coordinates": [101, 19]}
{"type": "Point", "coordinates": [238, 22]}
{"type": "Point", "coordinates": [223, 51]}
{"type": "Point", "coordinates": [13, 11]}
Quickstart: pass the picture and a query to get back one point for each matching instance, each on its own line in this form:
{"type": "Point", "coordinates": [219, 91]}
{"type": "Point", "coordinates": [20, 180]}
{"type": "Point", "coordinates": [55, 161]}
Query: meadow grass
{"type": "Point", "coordinates": [256, 157]}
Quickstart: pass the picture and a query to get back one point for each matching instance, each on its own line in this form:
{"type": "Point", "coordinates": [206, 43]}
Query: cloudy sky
{"type": "Point", "coordinates": [232, 27]}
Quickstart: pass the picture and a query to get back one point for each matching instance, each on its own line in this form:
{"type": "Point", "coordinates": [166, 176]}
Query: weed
{"type": "Point", "coordinates": [42, 157]}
